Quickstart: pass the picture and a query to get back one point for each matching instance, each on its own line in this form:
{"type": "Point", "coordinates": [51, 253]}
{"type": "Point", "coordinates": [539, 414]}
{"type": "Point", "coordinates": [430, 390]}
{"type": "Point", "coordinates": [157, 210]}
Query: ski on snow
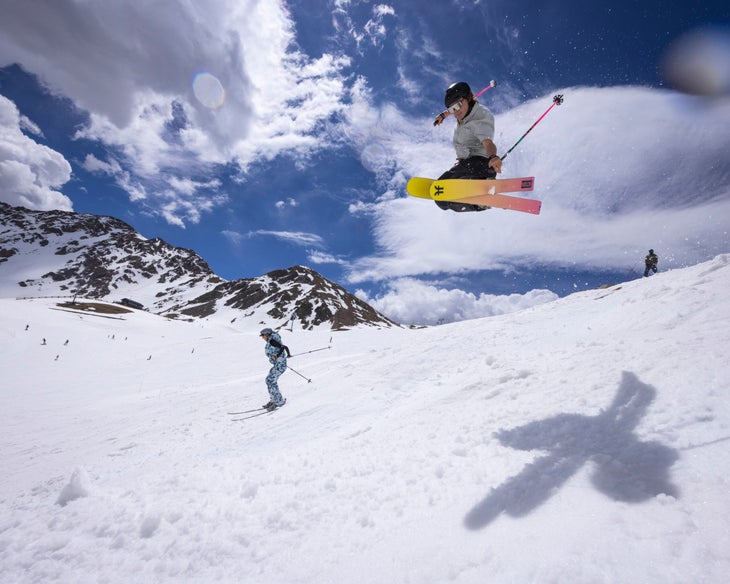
{"type": "Point", "coordinates": [245, 412]}
{"type": "Point", "coordinates": [262, 413]}
{"type": "Point", "coordinates": [254, 413]}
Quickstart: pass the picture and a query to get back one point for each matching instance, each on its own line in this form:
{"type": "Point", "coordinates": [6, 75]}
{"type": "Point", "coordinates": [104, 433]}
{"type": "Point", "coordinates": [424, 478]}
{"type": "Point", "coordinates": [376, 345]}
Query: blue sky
{"type": "Point", "coordinates": [264, 134]}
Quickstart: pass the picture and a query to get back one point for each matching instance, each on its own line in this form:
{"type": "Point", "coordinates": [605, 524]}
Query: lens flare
{"type": "Point", "coordinates": [374, 157]}
{"type": "Point", "coordinates": [699, 63]}
{"type": "Point", "coordinates": [208, 90]}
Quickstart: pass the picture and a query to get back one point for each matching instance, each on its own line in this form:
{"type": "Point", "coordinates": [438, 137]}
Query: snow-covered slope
{"type": "Point", "coordinates": [584, 441]}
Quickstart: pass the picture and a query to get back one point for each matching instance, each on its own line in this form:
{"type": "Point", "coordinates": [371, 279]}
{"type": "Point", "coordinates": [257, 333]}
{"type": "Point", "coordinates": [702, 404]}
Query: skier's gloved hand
{"type": "Point", "coordinates": [440, 118]}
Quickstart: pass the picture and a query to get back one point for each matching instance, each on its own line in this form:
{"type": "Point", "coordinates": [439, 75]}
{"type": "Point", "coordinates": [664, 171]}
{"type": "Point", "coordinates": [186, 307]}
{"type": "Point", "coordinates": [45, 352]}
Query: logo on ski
{"type": "Point", "coordinates": [438, 191]}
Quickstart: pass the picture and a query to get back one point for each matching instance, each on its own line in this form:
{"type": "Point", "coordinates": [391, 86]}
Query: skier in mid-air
{"type": "Point", "coordinates": [277, 353]}
{"type": "Point", "coordinates": [476, 152]}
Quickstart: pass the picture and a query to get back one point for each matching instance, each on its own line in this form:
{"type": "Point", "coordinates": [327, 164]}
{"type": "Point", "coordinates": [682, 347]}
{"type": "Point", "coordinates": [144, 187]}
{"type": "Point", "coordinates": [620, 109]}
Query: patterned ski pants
{"type": "Point", "coordinates": [274, 373]}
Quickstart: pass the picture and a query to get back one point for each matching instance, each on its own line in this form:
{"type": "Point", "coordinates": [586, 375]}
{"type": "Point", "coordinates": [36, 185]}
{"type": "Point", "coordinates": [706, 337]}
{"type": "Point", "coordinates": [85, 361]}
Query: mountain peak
{"type": "Point", "coordinates": [46, 253]}
{"type": "Point", "coordinates": [296, 295]}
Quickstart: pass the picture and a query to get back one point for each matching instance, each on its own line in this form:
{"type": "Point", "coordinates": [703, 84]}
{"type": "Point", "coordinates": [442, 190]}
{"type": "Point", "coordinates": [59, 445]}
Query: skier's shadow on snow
{"type": "Point", "coordinates": [625, 469]}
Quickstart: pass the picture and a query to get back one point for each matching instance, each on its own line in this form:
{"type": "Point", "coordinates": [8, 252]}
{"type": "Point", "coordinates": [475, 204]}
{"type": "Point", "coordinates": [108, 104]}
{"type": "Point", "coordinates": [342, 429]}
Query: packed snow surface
{"type": "Point", "coordinates": [586, 440]}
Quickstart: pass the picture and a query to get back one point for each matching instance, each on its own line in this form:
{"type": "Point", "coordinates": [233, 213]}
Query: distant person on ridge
{"type": "Point", "coordinates": [650, 263]}
{"type": "Point", "coordinates": [277, 353]}
{"type": "Point", "coordinates": [476, 153]}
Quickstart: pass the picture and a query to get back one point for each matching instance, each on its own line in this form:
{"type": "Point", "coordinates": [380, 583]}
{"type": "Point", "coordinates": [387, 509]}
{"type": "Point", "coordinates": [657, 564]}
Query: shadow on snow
{"type": "Point", "coordinates": [626, 469]}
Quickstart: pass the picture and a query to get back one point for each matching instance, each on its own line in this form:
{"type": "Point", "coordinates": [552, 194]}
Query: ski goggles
{"type": "Point", "coordinates": [455, 107]}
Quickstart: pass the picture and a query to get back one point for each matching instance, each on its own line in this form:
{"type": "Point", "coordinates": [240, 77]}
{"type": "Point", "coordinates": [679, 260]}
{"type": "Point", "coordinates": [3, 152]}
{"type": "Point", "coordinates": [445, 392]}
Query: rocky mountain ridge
{"type": "Point", "coordinates": [44, 253]}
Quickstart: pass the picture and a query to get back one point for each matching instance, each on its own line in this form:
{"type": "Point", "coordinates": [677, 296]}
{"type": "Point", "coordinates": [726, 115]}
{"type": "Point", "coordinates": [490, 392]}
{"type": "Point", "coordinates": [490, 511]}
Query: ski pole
{"type": "Point", "coordinates": [299, 374]}
{"type": "Point", "coordinates": [446, 113]}
{"type": "Point", "coordinates": [557, 100]}
{"type": "Point", "coordinates": [312, 351]}
{"type": "Point", "coordinates": [492, 83]}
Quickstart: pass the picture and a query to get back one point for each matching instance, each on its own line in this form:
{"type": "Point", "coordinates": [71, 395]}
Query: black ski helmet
{"type": "Point", "coordinates": [456, 91]}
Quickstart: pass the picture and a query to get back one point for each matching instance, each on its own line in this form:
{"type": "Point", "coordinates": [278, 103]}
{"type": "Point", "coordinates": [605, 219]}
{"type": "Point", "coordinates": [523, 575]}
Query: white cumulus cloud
{"type": "Point", "coordinates": [30, 173]}
{"type": "Point", "coordinates": [137, 72]}
{"type": "Point", "coordinates": [295, 237]}
{"type": "Point", "coordinates": [411, 301]}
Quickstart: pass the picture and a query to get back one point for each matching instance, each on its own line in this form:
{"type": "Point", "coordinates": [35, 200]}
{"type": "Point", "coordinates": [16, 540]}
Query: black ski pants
{"type": "Point", "coordinates": [474, 167]}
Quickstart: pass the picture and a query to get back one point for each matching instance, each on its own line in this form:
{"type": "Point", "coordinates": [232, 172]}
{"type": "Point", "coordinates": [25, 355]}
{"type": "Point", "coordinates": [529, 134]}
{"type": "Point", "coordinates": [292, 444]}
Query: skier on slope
{"type": "Point", "coordinates": [277, 353]}
{"type": "Point", "coordinates": [476, 153]}
{"type": "Point", "coordinates": [650, 263]}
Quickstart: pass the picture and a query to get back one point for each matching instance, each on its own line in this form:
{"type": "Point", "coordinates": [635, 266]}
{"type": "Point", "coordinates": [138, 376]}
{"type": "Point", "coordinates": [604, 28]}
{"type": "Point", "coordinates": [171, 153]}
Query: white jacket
{"type": "Point", "coordinates": [468, 135]}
